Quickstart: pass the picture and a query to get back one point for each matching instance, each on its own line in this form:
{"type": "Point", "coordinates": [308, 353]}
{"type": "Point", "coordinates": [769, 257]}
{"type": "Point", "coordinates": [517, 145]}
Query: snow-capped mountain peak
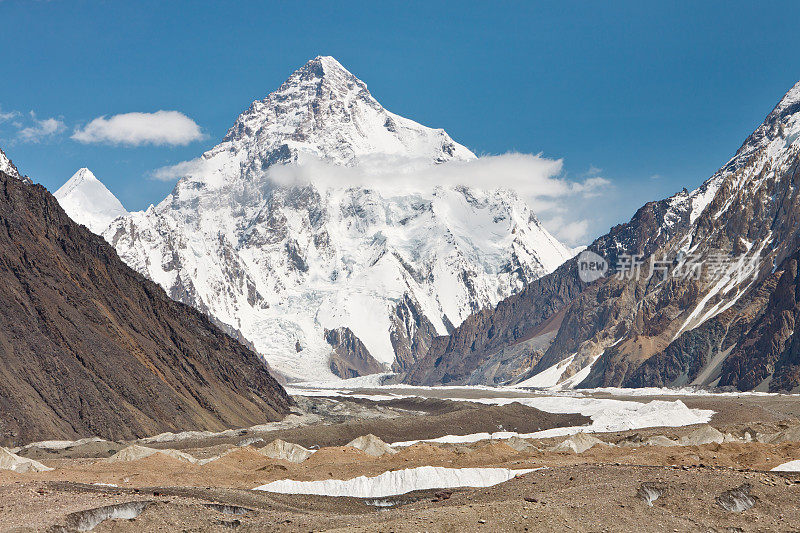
{"type": "Point", "coordinates": [87, 201]}
{"type": "Point", "coordinates": [331, 275]}
{"type": "Point", "coordinates": [323, 111]}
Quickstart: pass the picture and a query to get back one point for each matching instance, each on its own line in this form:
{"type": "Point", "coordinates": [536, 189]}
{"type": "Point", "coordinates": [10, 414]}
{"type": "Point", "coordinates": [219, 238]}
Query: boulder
{"type": "Point", "coordinates": [577, 443]}
{"type": "Point", "coordinates": [703, 435]}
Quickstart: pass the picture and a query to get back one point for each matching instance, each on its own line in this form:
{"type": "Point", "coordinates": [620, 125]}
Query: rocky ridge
{"type": "Point", "coordinates": [652, 329]}
{"type": "Point", "coordinates": [90, 347]}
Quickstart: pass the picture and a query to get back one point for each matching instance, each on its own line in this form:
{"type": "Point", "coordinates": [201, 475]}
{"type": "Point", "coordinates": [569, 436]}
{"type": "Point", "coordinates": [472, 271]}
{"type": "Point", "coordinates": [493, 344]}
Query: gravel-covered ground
{"type": "Point", "coordinates": [597, 490]}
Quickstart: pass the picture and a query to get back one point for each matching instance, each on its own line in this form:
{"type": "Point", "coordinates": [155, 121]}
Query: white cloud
{"type": "Point", "coordinates": [531, 176]}
{"type": "Point", "coordinates": [135, 129]}
{"type": "Point", "coordinates": [562, 204]}
{"type": "Point", "coordinates": [41, 129]}
{"type": "Point", "coordinates": [571, 232]}
{"type": "Point", "coordinates": [180, 170]}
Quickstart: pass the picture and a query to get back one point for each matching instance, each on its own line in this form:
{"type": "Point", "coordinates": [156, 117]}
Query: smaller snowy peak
{"type": "Point", "coordinates": [87, 201]}
{"type": "Point", "coordinates": [8, 167]}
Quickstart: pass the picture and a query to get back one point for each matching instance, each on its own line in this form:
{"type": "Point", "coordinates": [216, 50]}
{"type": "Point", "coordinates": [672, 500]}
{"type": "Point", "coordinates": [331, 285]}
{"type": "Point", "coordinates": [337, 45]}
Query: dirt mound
{"type": "Point", "coordinates": [136, 452]}
{"type": "Point", "coordinates": [285, 451]}
{"type": "Point", "coordinates": [21, 465]}
{"type": "Point", "coordinates": [371, 445]}
{"type": "Point", "coordinates": [425, 452]}
{"type": "Point", "coordinates": [337, 455]}
{"type": "Point", "coordinates": [493, 452]}
{"type": "Point", "coordinates": [244, 459]}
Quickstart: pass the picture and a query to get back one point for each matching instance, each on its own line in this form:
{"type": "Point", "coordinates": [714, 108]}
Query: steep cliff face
{"type": "Point", "coordinates": [768, 356]}
{"type": "Point", "coordinates": [288, 229]}
{"type": "Point", "coordinates": [90, 347]}
{"type": "Point", "coordinates": [665, 326]}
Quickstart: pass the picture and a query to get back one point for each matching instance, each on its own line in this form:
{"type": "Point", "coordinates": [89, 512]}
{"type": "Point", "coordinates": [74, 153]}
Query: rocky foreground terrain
{"type": "Point", "coordinates": [703, 477]}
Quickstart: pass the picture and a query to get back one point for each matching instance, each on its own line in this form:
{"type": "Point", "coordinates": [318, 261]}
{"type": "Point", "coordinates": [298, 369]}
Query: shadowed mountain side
{"type": "Point", "coordinates": [90, 347]}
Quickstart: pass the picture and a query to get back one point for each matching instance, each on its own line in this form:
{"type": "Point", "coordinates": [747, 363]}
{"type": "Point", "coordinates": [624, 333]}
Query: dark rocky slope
{"type": "Point", "coordinates": [90, 347]}
{"type": "Point", "coordinates": [720, 329]}
{"type": "Point", "coordinates": [532, 313]}
{"type": "Point", "coordinates": [350, 358]}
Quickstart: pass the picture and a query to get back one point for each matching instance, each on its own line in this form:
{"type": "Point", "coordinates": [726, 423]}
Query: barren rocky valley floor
{"type": "Point", "coordinates": [688, 478]}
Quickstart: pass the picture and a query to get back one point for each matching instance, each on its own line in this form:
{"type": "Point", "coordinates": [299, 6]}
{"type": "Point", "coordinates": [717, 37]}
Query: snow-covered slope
{"type": "Point", "coordinates": [268, 233]}
{"type": "Point", "coordinates": [87, 201]}
{"type": "Point", "coordinates": [7, 166]}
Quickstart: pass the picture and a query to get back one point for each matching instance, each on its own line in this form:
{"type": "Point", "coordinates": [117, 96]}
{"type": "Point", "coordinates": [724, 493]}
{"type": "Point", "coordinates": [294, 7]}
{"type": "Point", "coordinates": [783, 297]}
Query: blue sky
{"type": "Point", "coordinates": [651, 96]}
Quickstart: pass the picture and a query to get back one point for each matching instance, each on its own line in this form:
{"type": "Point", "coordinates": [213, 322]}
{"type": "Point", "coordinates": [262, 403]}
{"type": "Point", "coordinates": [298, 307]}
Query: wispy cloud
{"type": "Point", "coordinates": [5, 116]}
{"type": "Point", "coordinates": [537, 179]}
{"type": "Point", "coordinates": [180, 170]}
{"type": "Point", "coordinates": [28, 128]}
{"type": "Point", "coordinates": [164, 128]}
{"type": "Point", "coordinates": [41, 130]}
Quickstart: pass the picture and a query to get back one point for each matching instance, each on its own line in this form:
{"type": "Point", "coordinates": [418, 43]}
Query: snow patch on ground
{"type": "Point", "coordinates": [791, 466]}
{"type": "Point", "coordinates": [397, 482]}
{"type": "Point", "coordinates": [548, 377]}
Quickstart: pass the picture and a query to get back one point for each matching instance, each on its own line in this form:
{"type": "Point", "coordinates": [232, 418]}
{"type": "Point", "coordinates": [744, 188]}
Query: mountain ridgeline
{"type": "Point", "coordinates": [90, 347]}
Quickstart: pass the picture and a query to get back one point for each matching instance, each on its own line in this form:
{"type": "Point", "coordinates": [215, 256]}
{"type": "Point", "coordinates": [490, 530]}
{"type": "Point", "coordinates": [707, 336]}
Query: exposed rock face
{"type": "Point", "coordinates": [540, 308]}
{"type": "Point", "coordinates": [731, 326]}
{"type": "Point", "coordinates": [287, 229]}
{"type": "Point", "coordinates": [90, 347]}
{"type": "Point", "coordinates": [350, 358]}
{"type": "Point", "coordinates": [771, 349]}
